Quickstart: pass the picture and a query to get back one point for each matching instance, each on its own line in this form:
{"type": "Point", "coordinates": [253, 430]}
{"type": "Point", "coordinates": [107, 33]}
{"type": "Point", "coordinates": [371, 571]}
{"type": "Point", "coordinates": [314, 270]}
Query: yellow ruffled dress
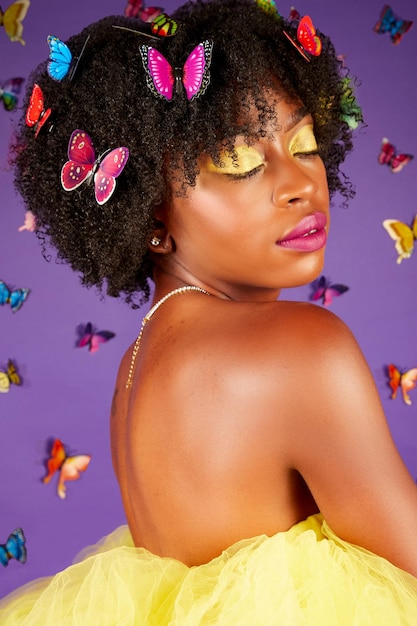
{"type": "Point", "coordinates": [305, 576]}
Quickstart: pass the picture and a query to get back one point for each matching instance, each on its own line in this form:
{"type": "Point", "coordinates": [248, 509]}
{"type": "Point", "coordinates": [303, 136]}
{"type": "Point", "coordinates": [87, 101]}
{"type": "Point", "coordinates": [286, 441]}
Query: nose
{"type": "Point", "coordinates": [294, 184]}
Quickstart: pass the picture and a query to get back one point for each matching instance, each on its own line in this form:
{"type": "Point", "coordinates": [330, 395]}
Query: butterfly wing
{"type": "Point", "coordinates": [12, 20]}
{"type": "Point", "coordinates": [36, 115]}
{"type": "Point", "coordinates": [4, 383]}
{"type": "Point", "coordinates": [109, 169]}
{"type": "Point", "coordinates": [101, 336]}
{"type": "Point", "coordinates": [333, 291]}
{"type": "Point", "coordinates": [56, 459]}
{"type": "Point", "coordinates": [320, 290]}
{"type": "Point", "coordinates": [133, 8]}
{"type": "Point", "coordinates": [196, 75]}
{"type": "Point", "coordinates": [70, 470]}
{"type": "Point", "coordinates": [394, 376]}
{"type": "Point", "coordinates": [4, 293]}
{"type": "Point", "coordinates": [398, 161]}
{"type": "Point", "coordinates": [13, 374]}
{"type": "Point", "coordinates": [402, 235]}
{"type": "Point", "coordinates": [159, 74]}
{"type": "Point", "coordinates": [17, 298]}
{"type": "Point", "coordinates": [81, 157]}
{"type": "Point", "coordinates": [10, 91]}
{"type": "Point", "coordinates": [408, 382]}
{"type": "Point", "coordinates": [85, 339]}
{"type": "Point", "coordinates": [306, 35]}
{"type": "Point", "coordinates": [164, 26]}
{"type": "Point", "coordinates": [16, 546]}
{"type": "Point", "coordinates": [60, 58]}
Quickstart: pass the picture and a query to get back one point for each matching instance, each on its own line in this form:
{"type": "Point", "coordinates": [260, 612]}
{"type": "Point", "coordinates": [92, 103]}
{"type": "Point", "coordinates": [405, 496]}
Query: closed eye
{"type": "Point", "coordinates": [245, 175]}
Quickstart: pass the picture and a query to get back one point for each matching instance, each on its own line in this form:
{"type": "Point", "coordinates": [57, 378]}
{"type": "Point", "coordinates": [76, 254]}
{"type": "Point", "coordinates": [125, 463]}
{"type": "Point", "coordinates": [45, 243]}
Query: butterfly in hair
{"type": "Point", "coordinates": [9, 92]}
{"type": "Point", "coordinates": [14, 297]}
{"type": "Point", "coordinates": [36, 114]}
{"type": "Point", "coordinates": [403, 236]}
{"type": "Point", "coordinates": [61, 61]}
{"type": "Point", "coordinates": [12, 19]}
{"type": "Point", "coordinates": [9, 377]}
{"type": "Point", "coordinates": [83, 165]}
{"type": "Point", "coordinates": [14, 548]}
{"type": "Point", "coordinates": [162, 79]}
{"type": "Point", "coordinates": [307, 38]}
{"type": "Point", "coordinates": [69, 467]}
{"type": "Point", "coordinates": [390, 23]}
{"type": "Point", "coordinates": [326, 291]}
{"type": "Point", "coordinates": [136, 8]}
{"type": "Point", "coordinates": [406, 381]}
{"type": "Point", "coordinates": [93, 338]}
{"type": "Point", "coordinates": [388, 156]}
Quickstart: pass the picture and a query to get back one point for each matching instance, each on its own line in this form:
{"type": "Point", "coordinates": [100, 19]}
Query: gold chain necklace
{"type": "Point", "coordinates": [148, 317]}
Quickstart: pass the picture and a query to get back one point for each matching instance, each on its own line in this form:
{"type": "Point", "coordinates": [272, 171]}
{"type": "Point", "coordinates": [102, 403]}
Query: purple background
{"type": "Point", "coordinates": [67, 391]}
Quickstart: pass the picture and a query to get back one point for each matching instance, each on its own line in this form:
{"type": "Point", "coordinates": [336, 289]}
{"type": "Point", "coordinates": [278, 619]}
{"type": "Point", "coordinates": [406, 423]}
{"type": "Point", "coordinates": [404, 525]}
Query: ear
{"type": "Point", "coordinates": [161, 241]}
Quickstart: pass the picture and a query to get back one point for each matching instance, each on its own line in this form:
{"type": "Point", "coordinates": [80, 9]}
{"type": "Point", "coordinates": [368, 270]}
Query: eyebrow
{"type": "Point", "coordinates": [295, 117]}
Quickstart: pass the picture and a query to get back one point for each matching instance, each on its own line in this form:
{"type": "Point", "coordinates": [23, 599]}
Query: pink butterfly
{"type": "Point", "coordinates": [135, 8]}
{"type": "Point", "coordinates": [93, 338]}
{"type": "Point", "coordinates": [308, 40]}
{"type": "Point", "coordinates": [389, 157]}
{"type": "Point", "coordinates": [162, 77]}
{"type": "Point", "coordinates": [83, 164]}
{"type": "Point", "coordinates": [326, 292]}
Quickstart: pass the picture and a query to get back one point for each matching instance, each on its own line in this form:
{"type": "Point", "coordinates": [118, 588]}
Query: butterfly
{"type": "Point", "coordinates": [36, 114]}
{"type": "Point", "coordinates": [83, 165]}
{"type": "Point", "coordinates": [403, 236]}
{"type": "Point", "coordinates": [294, 14]}
{"type": "Point", "coordinates": [308, 40]}
{"type": "Point", "coordinates": [162, 78]}
{"type": "Point", "coordinates": [326, 291]}
{"type": "Point", "coordinates": [14, 297]}
{"type": "Point", "coordinates": [93, 338]}
{"type": "Point", "coordinates": [164, 26]}
{"type": "Point", "coordinates": [9, 92]}
{"type": "Point", "coordinates": [69, 467]}
{"type": "Point", "coordinates": [388, 156]}
{"type": "Point", "coordinates": [268, 6]}
{"type": "Point", "coordinates": [405, 380]}
{"type": "Point", "coordinates": [9, 377]}
{"type": "Point", "coordinates": [12, 18]}
{"type": "Point", "coordinates": [14, 548]}
{"type": "Point", "coordinates": [392, 24]}
{"type": "Point", "coordinates": [61, 61]}
{"type": "Point", "coordinates": [135, 8]}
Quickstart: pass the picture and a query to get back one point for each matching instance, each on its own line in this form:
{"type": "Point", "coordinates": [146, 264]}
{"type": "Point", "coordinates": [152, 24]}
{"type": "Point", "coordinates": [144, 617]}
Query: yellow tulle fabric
{"type": "Point", "coordinates": [306, 576]}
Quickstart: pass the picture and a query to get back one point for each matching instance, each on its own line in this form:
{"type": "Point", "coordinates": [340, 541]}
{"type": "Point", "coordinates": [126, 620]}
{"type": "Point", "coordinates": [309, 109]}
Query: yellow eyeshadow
{"type": "Point", "coordinates": [247, 159]}
{"type": "Point", "coordinates": [304, 141]}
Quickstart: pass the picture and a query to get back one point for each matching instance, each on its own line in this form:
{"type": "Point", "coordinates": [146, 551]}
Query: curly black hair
{"type": "Point", "coordinates": [109, 98]}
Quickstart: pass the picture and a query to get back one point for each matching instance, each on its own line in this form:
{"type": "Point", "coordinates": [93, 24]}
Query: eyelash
{"type": "Point", "coordinates": [246, 175]}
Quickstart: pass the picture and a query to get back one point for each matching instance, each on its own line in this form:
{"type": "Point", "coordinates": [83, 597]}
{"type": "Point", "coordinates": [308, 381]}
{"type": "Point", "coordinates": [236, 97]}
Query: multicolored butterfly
{"type": "Point", "coordinates": [325, 291]}
{"type": "Point", "coordinates": [12, 19]}
{"type": "Point", "coordinates": [9, 92]}
{"type": "Point", "coordinates": [403, 236]}
{"type": "Point", "coordinates": [388, 156]}
{"type": "Point", "coordinates": [392, 24]}
{"type": "Point", "coordinates": [194, 77]}
{"type": "Point", "coordinates": [36, 114]}
{"type": "Point", "coordinates": [83, 165]}
{"type": "Point", "coordinates": [61, 61]}
{"type": "Point", "coordinates": [14, 548]}
{"type": "Point", "coordinates": [69, 467]}
{"type": "Point", "coordinates": [29, 223]}
{"type": "Point", "coordinates": [135, 8]}
{"type": "Point", "coordinates": [9, 377]}
{"type": "Point", "coordinates": [93, 338]}
{"type": "Point", "coordinates": [164, 26]}
{"type": "Point", "coordinates": [269, 7]}
{"type": "Point", "coordinates": [14, 297]}
{"type": "Point", "coordinates": [406, 380]}
{"type": "Point", "coordinates": [308, 40]}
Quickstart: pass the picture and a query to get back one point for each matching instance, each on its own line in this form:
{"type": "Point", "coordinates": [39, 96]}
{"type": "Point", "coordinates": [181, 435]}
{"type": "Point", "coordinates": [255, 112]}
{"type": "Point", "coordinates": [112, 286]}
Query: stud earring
{"type": "Point", "coordinates": [155, 241]}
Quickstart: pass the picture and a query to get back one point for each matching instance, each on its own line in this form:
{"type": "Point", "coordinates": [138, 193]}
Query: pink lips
{"type": "Point", "coordinates": [309, 234]}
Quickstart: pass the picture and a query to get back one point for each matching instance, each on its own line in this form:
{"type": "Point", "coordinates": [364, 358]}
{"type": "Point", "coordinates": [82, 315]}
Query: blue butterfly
{"type": "Point", "coordinates": [15, 298]}
{"type": "Point", "coordinates": [61, 60]}
{"type": "Point", "coordinates": [392, 24]}
{"type": "Point", "coordinates": [14, 548]}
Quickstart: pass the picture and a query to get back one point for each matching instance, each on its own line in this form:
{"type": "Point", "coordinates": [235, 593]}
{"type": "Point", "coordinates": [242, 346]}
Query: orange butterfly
{"type": "Point", "coordinates": [69, 467]}
{"type": "Point", "coordinates": [406, 380]}
{"type": "Point", "coordinates": [12, 18]}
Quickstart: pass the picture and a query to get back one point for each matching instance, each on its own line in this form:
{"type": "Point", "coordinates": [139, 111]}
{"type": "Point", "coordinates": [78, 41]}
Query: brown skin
{"type": "Point", "coordinates": [246, 414]}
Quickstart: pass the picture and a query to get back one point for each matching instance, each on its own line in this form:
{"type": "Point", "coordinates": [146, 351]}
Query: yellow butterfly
{"type": "Point", "coordinates": [403, 236]}
{"type": "Point", "coordinates": [12, 18]}
{"type": "Point", "coordinates": [9, 377]}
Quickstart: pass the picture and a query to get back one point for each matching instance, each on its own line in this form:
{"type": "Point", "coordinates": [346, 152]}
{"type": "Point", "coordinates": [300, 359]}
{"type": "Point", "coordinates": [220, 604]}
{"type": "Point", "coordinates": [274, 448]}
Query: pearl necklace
{"type": "Point", "coordinates": [148, 317]}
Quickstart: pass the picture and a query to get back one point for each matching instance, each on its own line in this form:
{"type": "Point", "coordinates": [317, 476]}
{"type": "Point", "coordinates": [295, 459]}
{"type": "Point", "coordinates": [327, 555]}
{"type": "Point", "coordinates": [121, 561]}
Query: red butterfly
{"type": "Point", "coordinates": [83, 164]}
{"type": "Point", "coordinates": [388, 156]}
{"type": "Point", "coordinates": [36, 115]}
{"type": "Point", "coordinates": [308, 40]}
{"type": "Point", "coordinates": [135, 8]}
{"type": "Point", "coordinates": [406, 380]}
{"type": "Point", "coordinates": [93, 338]}
{"type": "Point", "coordinates": [69, 467]}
